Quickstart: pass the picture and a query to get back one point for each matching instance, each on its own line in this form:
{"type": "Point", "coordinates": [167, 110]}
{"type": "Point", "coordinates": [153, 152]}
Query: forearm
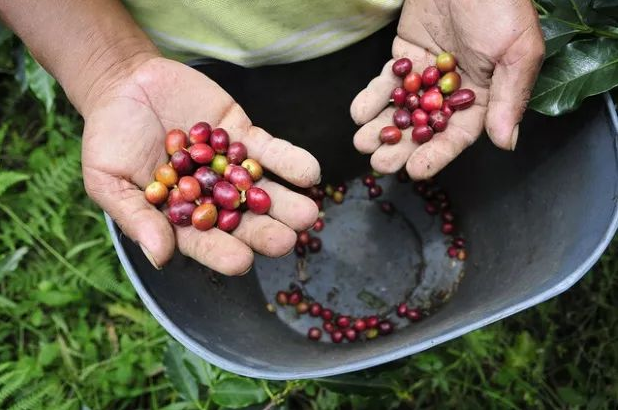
{"type": "Point", "coordinates": [85, 44]}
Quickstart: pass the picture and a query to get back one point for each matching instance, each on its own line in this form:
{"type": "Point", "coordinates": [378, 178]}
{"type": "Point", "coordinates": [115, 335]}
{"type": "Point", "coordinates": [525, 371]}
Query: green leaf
{"type": "Point", "coordinates": [179, 374]}
{"type": "Point", "coordinates": [571, 396]}
{"type": "Point", "coordinates": [6, 303]}
{"type": "Point", "coordinates": [183, 405]}
{"type": "Point", "coordinates": [556, 34]}
{"type": "Point", "coordinates": [10, 178]}
{"type": "Point", "coordinates": [363, 384]}
{"type": "Point", "coordinates": [371, 300]}
{"type": "Point", "coordinates": [579, 70]}
{"type": "Point", "coordinates": [55, 297]}
{"type": "Point", "coordinates": [206, 373]}
{"type": "Point", "coordinates": [40, 82]}
{"type": "Point", "coordinates": [10, 263]}
{"type": "Point", "coordinates": [237, 392]}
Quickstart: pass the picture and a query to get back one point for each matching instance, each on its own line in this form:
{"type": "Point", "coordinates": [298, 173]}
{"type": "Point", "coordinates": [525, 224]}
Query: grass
{"type": "Point", "coordinates": [73, 334]}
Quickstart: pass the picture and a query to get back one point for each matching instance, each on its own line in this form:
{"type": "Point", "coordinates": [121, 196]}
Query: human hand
{"type": "Point", "coordinates": [125, 125]}
{"type": "Point", "coordinates": [499, 48]}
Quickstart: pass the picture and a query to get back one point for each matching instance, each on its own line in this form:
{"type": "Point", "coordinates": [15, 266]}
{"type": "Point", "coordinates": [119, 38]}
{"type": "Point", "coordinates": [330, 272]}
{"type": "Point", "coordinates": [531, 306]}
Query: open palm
{"type": "Point", "coordinates": [499, 48]}
{"type": "Point", "coordinates": [124, 143]}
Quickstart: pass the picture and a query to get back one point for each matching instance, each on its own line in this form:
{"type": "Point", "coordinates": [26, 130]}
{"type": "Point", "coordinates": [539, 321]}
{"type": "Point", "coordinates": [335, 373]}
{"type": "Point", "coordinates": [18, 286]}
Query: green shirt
{"type": "Point", "coordinates": [259, 32]}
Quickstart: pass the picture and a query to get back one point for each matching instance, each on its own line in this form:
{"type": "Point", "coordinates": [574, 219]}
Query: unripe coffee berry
{"type": "Point", "coordinates": [219, 163]}
{"type": "Point", "coordinates": [450, 82]}
{"type": "Point", "coordinates": [446, 62]}
{"type": "Point", "coordinates": [156, 193]}
{"type": "Point", "coordinates": [167, 175]}
{"type": "Point", "coordinates": [254, 168]}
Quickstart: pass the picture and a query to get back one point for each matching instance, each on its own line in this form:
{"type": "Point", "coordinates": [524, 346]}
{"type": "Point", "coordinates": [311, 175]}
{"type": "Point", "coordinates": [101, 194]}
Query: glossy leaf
{"type": "Point", "coordinates": [10, 178]}
{"type": "Point", "coordinates": [237, 392]}
{"type": "Point", "coordinates": [179, 374]}
{"type": "Point", "coordinates": [40, 82]}
{"type": "Point", "coordinates": [556, 34]}
{"type": "Point", "coordinates": [581, 69]}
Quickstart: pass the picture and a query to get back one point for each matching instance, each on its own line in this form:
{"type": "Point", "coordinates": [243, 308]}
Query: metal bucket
{"type": "Point", "coordinates": [535, 220]}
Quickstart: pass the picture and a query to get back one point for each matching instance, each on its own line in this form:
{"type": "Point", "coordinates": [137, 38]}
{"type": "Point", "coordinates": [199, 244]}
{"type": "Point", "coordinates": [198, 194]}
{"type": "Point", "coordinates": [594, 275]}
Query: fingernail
{"type": "Point", "coordinates": [514, 137]}
{"type": "Point", "coordinates": [247, 271]}
{"type": "Point", "coordinates": [149, 257]}
{"type": "Point", "coordinates": [289, 253]}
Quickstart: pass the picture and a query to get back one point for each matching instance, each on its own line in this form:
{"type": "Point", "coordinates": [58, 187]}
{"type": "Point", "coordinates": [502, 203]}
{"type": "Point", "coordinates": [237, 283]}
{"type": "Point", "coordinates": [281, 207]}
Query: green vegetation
{"type": "Point", "coordinates": [73, 334]}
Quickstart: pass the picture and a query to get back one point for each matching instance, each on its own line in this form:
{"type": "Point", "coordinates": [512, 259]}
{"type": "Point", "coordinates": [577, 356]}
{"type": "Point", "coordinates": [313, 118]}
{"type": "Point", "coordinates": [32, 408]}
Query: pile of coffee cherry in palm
{"type": "Point", "coordinates": [426, 101]}
{"type": "Point", "coordinates": [208, 181]}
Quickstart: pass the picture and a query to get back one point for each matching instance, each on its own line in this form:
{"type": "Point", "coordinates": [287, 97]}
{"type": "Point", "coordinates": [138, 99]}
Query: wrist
{"type": "Point", "coordinates": [105, 68]}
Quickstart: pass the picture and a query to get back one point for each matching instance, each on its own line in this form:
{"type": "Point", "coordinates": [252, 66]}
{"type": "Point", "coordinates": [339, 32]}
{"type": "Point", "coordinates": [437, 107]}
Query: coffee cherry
{"type": "Point", "coordinates": [315, 309]}
{"type": "Point", "coordinates": [336, 336]}
{"type": "Point", "coordinates": [414, 315]}
{"type": "Point", "coordinates": [385, 327]}
{"type": "Point", "coordinates": [422, 134]}
{"type": "Point", "coordinates": [207, 178]}
{"type": "Point", "coordinates": [372, 322]}
{"type": "Point", "coordinates": [180, 213]}
{"type": "Point", "coordinates": [369, 181]}
{"type": "Point", "coordinates": [174, 197]}
{"type": "Point", "coordinates": [402, 67]}
{"type": "Point", "coordinates": [461, 99]}
{"type": "Point", "coordinates": [338, 197]}
{"type": "Point", "coordinates": [282, 298]}
{"type": "Point", "coordinates": [182, 162]}
{"type": "Point", "coordinates": [254, 168]}
{"type": "Point", "coordinates": [175, 140]}
{"type": "Point", "coordinates": [350, 334]}
{"type": "Point", "coordinates": [329, 190]}
{"type": "Point", "coordinates": [240, 178]}
{"type": "Point", "coordinates": [450, 82]}
{"type": "Point", "coordinates": [448, 216]}
{"type": "Point", "coordinates": [167, 175]}
{"type": "Point", "coordinates": [446, 108]}
{"type": "Point", "coordinates": [452, 251]}
{"type": "Point", "coordinates": [375, 191]}
{"type": "Point", "coordinates": [459, 242]}
{"type": "Point", "coordinates": [314, 333]}
{"type": "Point", "coordinates": [328, 327]}
{"type": "Point", "coordinates": [189, 188]}
{"type": "Point", "coordinates": [413, 101]}
{"type": "Point", "coordinates": [342, 188]}
{"type": "Point", "coordinates": [200, 133]}
{"type": "Point", "coordinates": [300, 250]}
{"type": "Point", "coordinates": [315, 244]}
{"type": "Point", "coordinates": [401, 119]}
{"type": "Point", "coordinates": [446, 62]}
{"type": "Point", "coordinates": [219, 164]}
{"type": "Point", "coordinates": [359, 325]}
{"type": "Point", "coordinates": [204, 217]}
{"type": "Point", "coordinates": [295, 297]}
{"type": "Point", "coordinates": [156, 193]}
{"type": "Point", "coordinates": [412, 82]}
{"type": "Point", "coordinates": [387, 207]}
{"type": "Point", "coordinates": [201, 153]}
{"type": "Point", "coordinates": [226, 195]}
{"type": "Point", "coordinates": [462, 255]}
{"type": "Point", "coordinates": [399, 96]}
{"type": "Point", "coordinates": [236, 153]}
{"type": "Point", "coordinates": [371, 334]}
{"type": "Point", "coordinates": [303, 238]}
{"type": "Point", "coordinates": [390, 135]}
{"type": "Point", "coordinates": [343, 322]}
{"type": "Point", "coordinates": [448, 228]}
{"type": "Point", "coordinates": [318, 225]}
{"type": "Point", "coordinates": [431, 101]}
{"type": "Point", "coordinates": [228, 220]}
{"type": "Point", "coordinates": [430, 76]}
{"type": "Point", "coordinates": [258, 200]}
{"type": "Point", "coordinates": [402, 309]}
{"type": "Point", "coordinates": [419, 117]}
{"type": "Point", "coordinates": [327, 314]}
{"type": "Point", "coordinates": [302, 308]}
{"type": "Point", "coordinates": [219, 140]}
{"type": "Point", "coordinates": [438, 121]}
{"type": "Point", "coordinates": [431, 208]}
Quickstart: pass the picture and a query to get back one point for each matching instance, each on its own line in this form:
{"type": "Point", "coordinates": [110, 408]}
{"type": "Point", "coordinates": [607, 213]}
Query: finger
{"type": "Point", "coordinates": [367, 138]}
{"type": "Point", "coordinates": [297, 211]}
{"type": "Point", "coordinates": [463, 129]}
{"type": "Point", "coordinates": [372, 100]}
{"type": "Point", "coordinates": [137, 219]}
{"type": "Point", "coordinates": [265, 235]}
{"type": "Point", "coordinates": [198, 98]}
{"type": "Point", "coordinates": [389, 159]}
{"type": "Point", "coordinates": [511, 85]}
{"type": "Point", "coordinates": [216, 249]}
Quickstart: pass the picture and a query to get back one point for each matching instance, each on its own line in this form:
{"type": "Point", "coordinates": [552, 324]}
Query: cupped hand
{"type": "Point", "coordinates": [499, 48]}
{"type": "Point", "coordinates": [123, 143]}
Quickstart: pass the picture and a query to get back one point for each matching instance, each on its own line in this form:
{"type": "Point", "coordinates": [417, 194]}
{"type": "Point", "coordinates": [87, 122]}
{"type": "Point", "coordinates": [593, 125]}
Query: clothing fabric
{"type": "Point", "coordinates": [259, 32]}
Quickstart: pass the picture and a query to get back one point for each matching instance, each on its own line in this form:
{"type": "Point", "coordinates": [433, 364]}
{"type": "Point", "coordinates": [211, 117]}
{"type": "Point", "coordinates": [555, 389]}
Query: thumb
{"type": "Point", "coordinates": [511, 84]}
{"type": "Point", "coordinates": [135, 216]}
